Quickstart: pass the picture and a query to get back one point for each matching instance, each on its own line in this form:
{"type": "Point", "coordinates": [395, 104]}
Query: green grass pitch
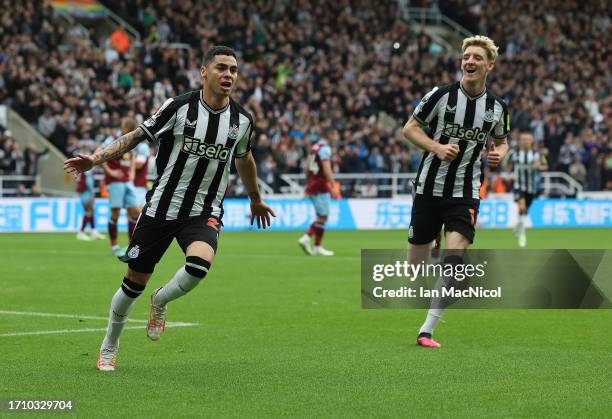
{"type": "Point", "coordinates": [282, 334]}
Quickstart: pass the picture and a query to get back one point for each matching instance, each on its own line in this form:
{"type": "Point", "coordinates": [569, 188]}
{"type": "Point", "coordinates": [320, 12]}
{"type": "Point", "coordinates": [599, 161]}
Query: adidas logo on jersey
{"type": "Point", "coordinates": [462, 133]}
{"type": "Point", "coordinates": [210, 151]}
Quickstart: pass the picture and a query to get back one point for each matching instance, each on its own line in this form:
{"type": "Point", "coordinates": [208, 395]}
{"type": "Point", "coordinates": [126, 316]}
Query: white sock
{"type": "Point", "coordinates": [121, 305]}
{"type": "Point", "coordinates": [181, 283]}
{"type": "Point", "coordinates": [433, 315]}
{"type": "Point", "coordinates": [521, 224]}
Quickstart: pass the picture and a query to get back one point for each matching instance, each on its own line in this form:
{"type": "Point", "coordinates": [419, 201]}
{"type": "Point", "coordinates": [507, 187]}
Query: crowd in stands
{"type": "Point", "coordinates": [305, 65]}
{"type": "Point", "coordinates": [17, 162]}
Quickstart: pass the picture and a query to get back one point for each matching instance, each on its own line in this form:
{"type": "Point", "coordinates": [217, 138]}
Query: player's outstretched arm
{"type": "Point", "coordinates": [413, 132]}
{"type": "Point", "coordinates": [82, 163]}
{"type": "Point", "coordinates": [248, 173]}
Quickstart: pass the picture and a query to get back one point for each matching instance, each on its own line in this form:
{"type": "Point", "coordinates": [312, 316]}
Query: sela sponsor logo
{"type": "Point", "coordinates": [210, 151]}
{"type": "Point", "coordinates": [462, 133]}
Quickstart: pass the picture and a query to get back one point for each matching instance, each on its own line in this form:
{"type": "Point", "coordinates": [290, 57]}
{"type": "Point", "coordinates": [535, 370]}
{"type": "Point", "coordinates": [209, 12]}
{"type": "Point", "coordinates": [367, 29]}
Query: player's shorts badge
{"type": "Point", "coordinates": [410, 232]}
{"type": "Point", "coordinates": [134, 252]}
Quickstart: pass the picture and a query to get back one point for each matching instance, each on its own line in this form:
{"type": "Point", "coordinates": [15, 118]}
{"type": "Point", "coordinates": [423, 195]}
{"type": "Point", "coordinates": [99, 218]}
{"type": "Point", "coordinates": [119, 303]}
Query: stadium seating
{"type": "Point", "coordinates": [306, 65]}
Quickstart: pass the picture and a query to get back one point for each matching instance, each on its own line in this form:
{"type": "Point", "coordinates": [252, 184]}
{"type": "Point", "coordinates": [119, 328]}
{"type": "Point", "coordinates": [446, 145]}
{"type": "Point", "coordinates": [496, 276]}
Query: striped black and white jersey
{"type": "Point", "coordinates": [525, 172]}
{"type": "Point", "coordinates": [455, 117]}
{"type": "Point", "coordinates": [194, 155]}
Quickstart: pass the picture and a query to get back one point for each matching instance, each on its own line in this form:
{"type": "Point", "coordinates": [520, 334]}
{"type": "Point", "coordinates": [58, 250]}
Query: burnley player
{"type": "Point", "coordinates": [121, 192]}
{"type": "Point", "coordinates": [141, 170]}
{"type": "Point", "coordinates": [87, 194]}
{"type": "Point", "coordinates": [320, 186]}
{"type": "Point", "coordinates": [463, 117]}
{"type": "Point", "coordinates": [199, 135]}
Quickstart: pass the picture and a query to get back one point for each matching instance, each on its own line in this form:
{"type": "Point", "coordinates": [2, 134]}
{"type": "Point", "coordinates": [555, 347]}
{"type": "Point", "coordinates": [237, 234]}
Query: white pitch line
{"type": "Point", "coordinates": [102, 329]}
{"type": "Point", "coordinates": [76, 316]}
{"type": "Point", "coordinates": [66, 316]}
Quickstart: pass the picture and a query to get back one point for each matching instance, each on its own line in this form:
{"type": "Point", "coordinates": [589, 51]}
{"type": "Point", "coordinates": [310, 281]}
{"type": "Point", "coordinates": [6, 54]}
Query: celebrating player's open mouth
{"type": "Point", "coordinates": [470, 70]}
{"type": "Point", "coordinates": [226, 85]}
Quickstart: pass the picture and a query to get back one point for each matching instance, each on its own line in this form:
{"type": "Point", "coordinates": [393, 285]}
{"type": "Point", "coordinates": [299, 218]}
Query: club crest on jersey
{"type": "Point", "coordinates": [233, 132]}
{"type": "Point", "coordinates": [200, 148]}
{"type": "Point", "coordinates": [134, 252]}
{"type": "Point", "coordinates": [489, 115]}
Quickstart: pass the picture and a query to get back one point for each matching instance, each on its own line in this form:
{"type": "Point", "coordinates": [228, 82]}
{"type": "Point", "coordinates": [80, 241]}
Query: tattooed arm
{"type": "Point", "coordinates": [82, 163]}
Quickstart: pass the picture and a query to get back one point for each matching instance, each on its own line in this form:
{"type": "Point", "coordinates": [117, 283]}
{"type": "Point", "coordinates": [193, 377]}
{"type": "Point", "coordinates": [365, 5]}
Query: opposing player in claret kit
{"type": "Point", "coordinates": [320, 188]}
{"type": "Point", "coordinates": [141, 171]}
{"type": "Point", "coordinates": [464, 117]}
{"type": "Point", "coordinates": [87, 195]}
{"type": "Point", "coordinates": [119, 179]}
{"type": "Point", "coordinates": [200, 133]}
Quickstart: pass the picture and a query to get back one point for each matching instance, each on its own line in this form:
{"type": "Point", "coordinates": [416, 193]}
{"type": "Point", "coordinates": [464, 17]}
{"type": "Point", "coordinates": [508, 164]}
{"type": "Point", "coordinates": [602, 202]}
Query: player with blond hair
{"type": "Point", "coordinates": [467, 121]}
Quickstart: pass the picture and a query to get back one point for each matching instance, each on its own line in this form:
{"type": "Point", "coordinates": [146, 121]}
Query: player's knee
{"type": "Point", "coordinates": [196, 266]}
{"type": "Point", "coordinates": [138, 276]}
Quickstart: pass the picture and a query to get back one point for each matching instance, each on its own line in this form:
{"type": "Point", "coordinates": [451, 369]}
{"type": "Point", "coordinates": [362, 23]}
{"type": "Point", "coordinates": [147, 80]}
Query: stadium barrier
{"type": "Point", "coordinates": [65, 214]}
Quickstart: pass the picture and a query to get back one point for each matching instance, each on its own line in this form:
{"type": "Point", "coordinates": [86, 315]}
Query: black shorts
{"type": "Point", "coordinates": [153, 236]}
{"type": "Point", "coordinates": [430, 213]}
{"type": "Point", "coordinates": [528, 197]}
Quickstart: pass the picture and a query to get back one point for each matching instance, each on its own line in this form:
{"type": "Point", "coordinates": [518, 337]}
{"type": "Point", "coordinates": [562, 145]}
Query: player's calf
{"type": "Point", "coordinates": [185, 279]}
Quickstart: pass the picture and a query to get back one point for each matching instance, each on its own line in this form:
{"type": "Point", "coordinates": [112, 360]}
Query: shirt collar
{"type": "Point", "coordinates": [478, 96]}
{"type": "Point", "coordinates": [208, 108]}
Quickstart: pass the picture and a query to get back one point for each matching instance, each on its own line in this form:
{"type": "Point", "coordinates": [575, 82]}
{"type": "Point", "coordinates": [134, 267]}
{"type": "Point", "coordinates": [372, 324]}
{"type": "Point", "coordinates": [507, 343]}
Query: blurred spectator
{"type": "Point", "coordinates": [608, 171]}
{"type": "Point", "coordinates": [578, 172]}
{"type": "Point", "coordinates": [30, 159]}
{"type": "Point", "coordinates": [120, 40]}
{"type": "Point", "coordinates": [47, 123]}
{"type": "Point", "coordinates": [8, 157]}
{"type": "Point", "coordinates": [594, 170]}
{"type": "Point", "coordinates": [568, 154]}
